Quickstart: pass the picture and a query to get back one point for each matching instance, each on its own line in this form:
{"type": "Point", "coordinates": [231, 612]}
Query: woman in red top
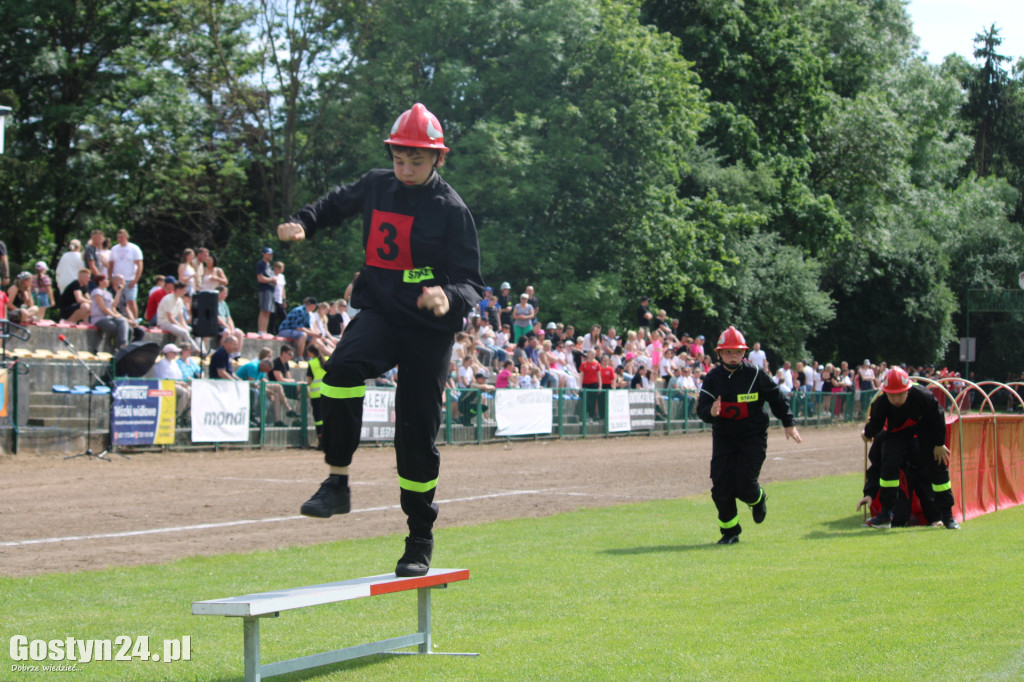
{"type": "Point", "coordinates": [607, 372]}
{"type": "Point", "coordinates": [590, 373]}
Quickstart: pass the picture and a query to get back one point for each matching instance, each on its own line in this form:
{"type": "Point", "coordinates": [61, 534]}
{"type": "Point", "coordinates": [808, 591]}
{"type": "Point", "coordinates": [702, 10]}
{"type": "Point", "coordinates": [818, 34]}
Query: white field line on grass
{"type": "Point", "coordinates": [228, 524]}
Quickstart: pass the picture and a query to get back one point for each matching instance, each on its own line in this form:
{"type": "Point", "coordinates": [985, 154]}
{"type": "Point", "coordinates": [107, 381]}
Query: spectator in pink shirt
{"type": "Point", "coordinates": [697, 347]}
{"type": "Point", "coordinates": [502, 380]}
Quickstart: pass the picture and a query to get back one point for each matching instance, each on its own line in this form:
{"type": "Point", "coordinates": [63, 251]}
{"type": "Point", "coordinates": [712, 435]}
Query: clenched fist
{"type": "Point", "coordinates": [434, 299]}
{"type": "Point", "coordinates": [290, 232]}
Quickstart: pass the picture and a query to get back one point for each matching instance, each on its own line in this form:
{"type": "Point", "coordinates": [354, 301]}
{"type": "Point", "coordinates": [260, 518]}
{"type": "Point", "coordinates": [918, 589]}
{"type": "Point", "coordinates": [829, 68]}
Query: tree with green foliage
{"type": "Point", "coordinates": [63, 71]}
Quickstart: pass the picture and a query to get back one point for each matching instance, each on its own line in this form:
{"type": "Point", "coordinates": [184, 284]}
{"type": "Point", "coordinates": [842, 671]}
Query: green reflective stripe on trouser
{"type": "Point", "coordinates": [342, 392]}
{"type": "Point", "coordinates": [888, 484]}
{"type": "Point", "coordinates": [415, 486]}
{"type": "Point", "coordinates": [939, 487]}
{"type": "Point", "coordinates": [729, 524]}
{"type": "Point", "coordinates": [319, 422]}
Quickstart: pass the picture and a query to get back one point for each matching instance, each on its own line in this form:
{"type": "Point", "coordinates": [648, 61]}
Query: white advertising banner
{"type": "Point", "coordinates": [641, 410]}
{"type": "Point", "coordinates": [220, 411]}
{"type": "Point", "coordinates": [378, 415]}
{"type": "Point", "coordinates": [523, 412]}
{"type": "Point", "coordinates": [618, 410]}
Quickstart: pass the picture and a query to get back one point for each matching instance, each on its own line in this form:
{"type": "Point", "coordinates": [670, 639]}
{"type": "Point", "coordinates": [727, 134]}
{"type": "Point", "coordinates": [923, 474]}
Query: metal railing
{"type": "Point", "coordinates": [579, 413]}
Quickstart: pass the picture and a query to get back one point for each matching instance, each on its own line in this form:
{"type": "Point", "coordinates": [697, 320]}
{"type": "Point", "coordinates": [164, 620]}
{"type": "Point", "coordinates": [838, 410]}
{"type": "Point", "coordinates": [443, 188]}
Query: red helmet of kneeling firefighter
{"type": "Point", "coordinates": [896, 381]}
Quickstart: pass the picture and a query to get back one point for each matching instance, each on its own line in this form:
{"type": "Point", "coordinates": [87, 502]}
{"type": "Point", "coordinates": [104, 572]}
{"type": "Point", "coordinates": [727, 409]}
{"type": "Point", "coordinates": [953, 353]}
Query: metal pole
{"type": "Point", "coordinates": [13, 371]}
{"type": "Point", "coordinates": [967, 355]}
{"type": "Point", "coordinates": [423, 609]}
{"type": "Point", "coordinates": [866, 476]}
{"type": "Point", "coordinates": [251, 630]}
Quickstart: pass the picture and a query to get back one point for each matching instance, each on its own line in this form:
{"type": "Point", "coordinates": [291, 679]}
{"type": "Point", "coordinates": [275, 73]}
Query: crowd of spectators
{"type": "Point", "coordinates": [504, 343]}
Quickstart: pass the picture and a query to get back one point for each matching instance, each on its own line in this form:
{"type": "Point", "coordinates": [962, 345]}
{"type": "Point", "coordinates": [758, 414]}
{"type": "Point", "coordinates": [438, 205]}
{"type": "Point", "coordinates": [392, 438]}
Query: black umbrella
{"type": "Point", "coordinates": [136, 358]}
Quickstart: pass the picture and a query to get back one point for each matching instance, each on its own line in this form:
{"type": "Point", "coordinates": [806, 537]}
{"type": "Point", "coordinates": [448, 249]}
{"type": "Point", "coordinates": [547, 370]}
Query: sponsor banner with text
{"type": "Point", "coordinates": [618, 410]}
{"type": "Point", "coordinates": [142, 412]}
{"type": "Point", "coordinates": [378, 415]}
{"type": "Point", "coordinates": [220, 411]}
{"type": "Point", "coordinates": [523, 412]}
{"type": "Point", "coordinates": [641, 410]}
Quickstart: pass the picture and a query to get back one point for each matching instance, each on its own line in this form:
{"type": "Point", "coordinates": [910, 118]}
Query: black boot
{"type": "Point", "coordinates": [332, 498]}
{"type": "Point", "coordinates": [416, 560]}
{"type": "Point", "coordinates": [760, 509]}
{"type": "Point", "coordinates": [882, 521]}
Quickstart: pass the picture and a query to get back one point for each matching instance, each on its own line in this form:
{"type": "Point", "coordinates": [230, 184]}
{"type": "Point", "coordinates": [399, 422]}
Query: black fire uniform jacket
{"type": "Point", "coordinates": [744, 394]}
{"type": "Point", "coordinates": [921, 415]}
{"type": "Point", "coordinates": [413, 237]}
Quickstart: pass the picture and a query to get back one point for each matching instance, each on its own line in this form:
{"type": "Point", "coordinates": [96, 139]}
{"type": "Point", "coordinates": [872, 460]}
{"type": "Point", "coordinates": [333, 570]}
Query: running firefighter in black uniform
{"type": "Point", "coordinates": [733, 399]}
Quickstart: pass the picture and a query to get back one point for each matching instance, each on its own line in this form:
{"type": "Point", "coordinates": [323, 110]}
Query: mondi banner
{"type": "Point", "coordinates": [220, 411]}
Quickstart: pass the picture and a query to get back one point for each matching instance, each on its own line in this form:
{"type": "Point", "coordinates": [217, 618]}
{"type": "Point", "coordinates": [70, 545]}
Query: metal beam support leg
{"type": "Point", "coordinates": [423, 609]}
{"type": "Point", "coordinates": [251, 628]}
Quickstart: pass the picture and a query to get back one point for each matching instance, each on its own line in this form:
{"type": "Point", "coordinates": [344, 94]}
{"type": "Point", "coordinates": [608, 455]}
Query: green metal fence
{"type": "Point", "coordinates": [580, 413]}
{"type": "Point", "coordinates": [469, 418]}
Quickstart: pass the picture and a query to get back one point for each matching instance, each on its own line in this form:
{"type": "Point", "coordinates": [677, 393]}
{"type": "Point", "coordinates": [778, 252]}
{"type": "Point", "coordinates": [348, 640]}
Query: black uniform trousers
{"type": "Point", "coordinates": [370, 346]}
{"type": "Point", "coordinates": [918, 483]}
{"type": "Point", "coordinates": [909, 447]}
{"type": "Point", "coordinates": [735, 467]}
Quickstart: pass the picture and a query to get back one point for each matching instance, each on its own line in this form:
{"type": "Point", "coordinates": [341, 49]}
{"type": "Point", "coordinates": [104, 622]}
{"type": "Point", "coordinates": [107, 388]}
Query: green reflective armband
{"type": "Point", "coordinates": [417, 275]}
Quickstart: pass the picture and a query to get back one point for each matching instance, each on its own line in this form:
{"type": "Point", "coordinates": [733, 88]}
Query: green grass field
{"type": "Point", "coordinates": [635, 592]}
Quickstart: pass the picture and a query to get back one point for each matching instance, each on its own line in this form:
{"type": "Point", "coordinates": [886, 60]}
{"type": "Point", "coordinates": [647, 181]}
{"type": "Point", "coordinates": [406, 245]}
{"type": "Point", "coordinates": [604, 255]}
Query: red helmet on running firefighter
{"type": "Point", "coordinates": [417, 127]}
{"type": "Point", "coordinates": [731, 338]}
{"type": "Point", "coordinates": [896, 381]}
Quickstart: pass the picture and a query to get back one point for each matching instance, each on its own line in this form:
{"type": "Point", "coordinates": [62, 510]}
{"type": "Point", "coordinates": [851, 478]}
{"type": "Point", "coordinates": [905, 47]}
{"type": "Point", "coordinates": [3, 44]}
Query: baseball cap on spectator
{"type": "Point", "coordinates": [630, 355]}
{"type": "Point", "coordinates": [506, 285]}
{"type": "Point", "coordinates": [170, 279]}
{"type": "Point", "coordinates": [700, 336]}
{"type": "Point", "coordinates": [41, 266]}
{"type": "Point", "coordinates": [488, 289]}
{"type": "Point", "coordinates": [552, 325]}
{"type": "Point", "coordinates": [481, 375]}
{"type": "Point", "coordinates": [170, 348]}
{"type": "Point", "coordinates": [522, 296]}
{"type": "Point", "coordinates": [267, 249]}
{"type": "Point", "coordinates": [26, 275]}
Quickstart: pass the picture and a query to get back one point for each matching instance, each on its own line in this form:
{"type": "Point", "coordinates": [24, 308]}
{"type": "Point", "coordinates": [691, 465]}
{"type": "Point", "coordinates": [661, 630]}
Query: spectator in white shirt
{"type": "Point", "coordinates": [757, 357]}
{"type": "Point", "coordinates": [168, 368]}
{"type": "Point", "coordinates": [126, 259]}
{"type": "Point", "coordinates": [170, 315]}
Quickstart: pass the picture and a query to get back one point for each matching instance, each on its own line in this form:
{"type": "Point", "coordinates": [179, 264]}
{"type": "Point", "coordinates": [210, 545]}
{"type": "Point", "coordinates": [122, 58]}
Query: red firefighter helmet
{"type": "Point", "coordinates": [417, 127]}
{"type": "Point", "coordinates": [731, 338]}
{"type": "Point", "coordinates": [896, 381]}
